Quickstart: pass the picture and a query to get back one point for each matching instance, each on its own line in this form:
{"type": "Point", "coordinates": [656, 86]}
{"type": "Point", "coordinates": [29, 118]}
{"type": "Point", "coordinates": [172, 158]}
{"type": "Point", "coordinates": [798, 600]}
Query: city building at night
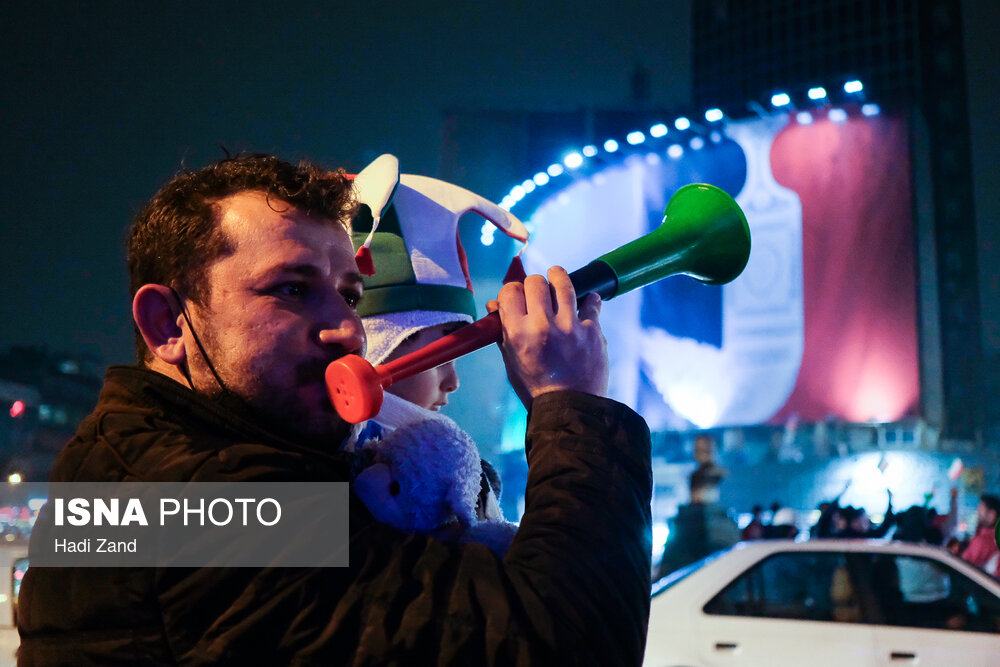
{"type": "Point", "coordinates": [841, 128]}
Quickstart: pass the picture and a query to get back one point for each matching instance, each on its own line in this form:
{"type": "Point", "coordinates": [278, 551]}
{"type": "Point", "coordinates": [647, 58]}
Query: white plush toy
{"type": "Point", "coordinates": [427, 474]}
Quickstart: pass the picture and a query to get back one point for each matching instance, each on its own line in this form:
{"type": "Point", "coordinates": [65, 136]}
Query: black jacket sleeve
{"type": "Point", "coordinates": [572, 589]}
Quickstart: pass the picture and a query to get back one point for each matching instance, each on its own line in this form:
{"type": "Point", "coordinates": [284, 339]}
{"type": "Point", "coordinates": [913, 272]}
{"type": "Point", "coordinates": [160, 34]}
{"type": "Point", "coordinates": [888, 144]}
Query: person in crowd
{"type": "Point", "coordinates": [859, 523]}
{"type": "Point", "coordinates": [755, 529]}
{"type": "Point", "coordinates": [917, 524]}
{"type": "Point", "coordinates": [851, 522]}
{"type": "Point", "coordinates": [782, 525]}
{"type": "Point", "coordinates": [245, 287]}
{"type": "Point", "coordinates": [831, 519]}
{"type": "Point", "coordinates": [946, 524]}
{"type": "Point", "coordinates": [922, 523]}
{"type": "Point", "coordinates": [982, 550]}
{"type": "Point", "coordinates": [702, 526]}
{"type": "Point", "coordinates": [956, 545]}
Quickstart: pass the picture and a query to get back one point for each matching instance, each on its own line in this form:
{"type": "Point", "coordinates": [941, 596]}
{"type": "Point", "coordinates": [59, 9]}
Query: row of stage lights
{"type": "Point", "coordinates": [574, 160]}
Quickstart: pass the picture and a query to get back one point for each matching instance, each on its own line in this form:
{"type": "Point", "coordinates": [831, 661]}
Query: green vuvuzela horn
{"type": "Point", "coordinates": [704, 234]}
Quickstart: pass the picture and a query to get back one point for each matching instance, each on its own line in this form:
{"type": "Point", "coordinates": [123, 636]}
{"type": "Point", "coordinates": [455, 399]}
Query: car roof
{"type": "Point", "coordinates": [837, 544]}
{"type": "Point", "coordinates": [721, 567]}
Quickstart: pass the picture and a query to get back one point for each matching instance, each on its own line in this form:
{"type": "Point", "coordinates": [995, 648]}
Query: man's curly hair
{"type": "Point", "coordinates": [176, 236]}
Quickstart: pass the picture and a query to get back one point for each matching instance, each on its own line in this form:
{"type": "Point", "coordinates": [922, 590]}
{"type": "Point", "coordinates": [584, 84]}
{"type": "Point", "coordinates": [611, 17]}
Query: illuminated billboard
{"type": "Point", "coordinates": [823, 322]}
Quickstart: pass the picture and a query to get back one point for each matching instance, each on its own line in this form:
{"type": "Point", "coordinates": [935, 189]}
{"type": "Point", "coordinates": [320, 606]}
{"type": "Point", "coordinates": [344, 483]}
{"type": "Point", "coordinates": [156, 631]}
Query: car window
{"type": "Point", "coordinates": [675, 577]}
{"type": "Point", "coordinates": [810, 586]}
{"type": "Point", "coordinates": [918, 592]}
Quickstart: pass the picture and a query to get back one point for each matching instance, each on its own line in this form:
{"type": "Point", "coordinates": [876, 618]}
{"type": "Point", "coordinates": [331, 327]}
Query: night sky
{"type": "Point", "coordinates": [102, 102]}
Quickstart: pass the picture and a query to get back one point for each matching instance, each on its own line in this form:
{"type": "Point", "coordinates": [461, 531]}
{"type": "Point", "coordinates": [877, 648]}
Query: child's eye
{"type": "Point", "coordinates": [352, 297]}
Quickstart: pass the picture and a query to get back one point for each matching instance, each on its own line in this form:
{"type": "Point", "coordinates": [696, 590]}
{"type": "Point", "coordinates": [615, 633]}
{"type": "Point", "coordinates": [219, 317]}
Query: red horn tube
{"type": "Point", "coordinates": [356, 387]}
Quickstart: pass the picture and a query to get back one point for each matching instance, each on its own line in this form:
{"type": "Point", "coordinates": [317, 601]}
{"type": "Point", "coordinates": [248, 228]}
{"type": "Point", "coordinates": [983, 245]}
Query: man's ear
{"type": "Point", "coordinates": [157, 314]}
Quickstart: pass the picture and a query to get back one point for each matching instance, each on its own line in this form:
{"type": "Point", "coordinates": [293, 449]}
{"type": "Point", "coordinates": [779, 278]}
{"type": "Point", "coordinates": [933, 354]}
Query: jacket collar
{"type": "Point", "coordinates": [141, 387]}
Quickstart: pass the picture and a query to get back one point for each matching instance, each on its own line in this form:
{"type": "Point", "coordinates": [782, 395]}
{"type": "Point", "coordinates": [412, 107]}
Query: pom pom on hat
{"type": "Point", "coordinates": [363, 257]}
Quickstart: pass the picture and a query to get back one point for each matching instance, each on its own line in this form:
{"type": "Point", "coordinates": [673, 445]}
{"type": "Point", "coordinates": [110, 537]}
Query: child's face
{"type": "Point", "coordinates": [429, 389]}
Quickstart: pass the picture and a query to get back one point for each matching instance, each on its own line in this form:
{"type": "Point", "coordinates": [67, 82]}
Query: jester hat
{"type": "Point", "coordinates": [406, 232]}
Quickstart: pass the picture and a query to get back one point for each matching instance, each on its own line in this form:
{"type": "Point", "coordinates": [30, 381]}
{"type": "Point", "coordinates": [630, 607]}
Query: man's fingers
{"type": "Point", "coordinates": [565, 294]}
{"type": "Point", "coordinates": [590, 307]}
{"type": "Point", "coordinates": [538, 296]}
{"type": "Point", "coordinates": [511, 301]}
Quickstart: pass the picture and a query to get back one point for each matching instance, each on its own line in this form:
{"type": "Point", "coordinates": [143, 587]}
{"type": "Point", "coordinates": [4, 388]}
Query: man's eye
{"type": "Point", "coordinates": [293, 290]}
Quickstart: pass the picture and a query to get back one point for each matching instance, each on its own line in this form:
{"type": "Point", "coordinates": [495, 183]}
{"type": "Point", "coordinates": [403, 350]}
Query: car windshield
{"type": "Point", "coordinates": [677, 576]}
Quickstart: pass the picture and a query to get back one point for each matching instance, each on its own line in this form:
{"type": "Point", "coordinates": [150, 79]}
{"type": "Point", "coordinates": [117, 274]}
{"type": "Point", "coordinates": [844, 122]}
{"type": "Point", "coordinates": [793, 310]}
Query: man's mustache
{"type": "Point", "coordinates": [312, 371]}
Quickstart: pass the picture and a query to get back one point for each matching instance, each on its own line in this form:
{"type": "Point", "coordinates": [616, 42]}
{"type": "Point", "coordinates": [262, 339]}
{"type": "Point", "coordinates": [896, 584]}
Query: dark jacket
{"type": "Point", "coordinates": [698, 530]}
{"type": "Point", "coordinates": [574, 587]}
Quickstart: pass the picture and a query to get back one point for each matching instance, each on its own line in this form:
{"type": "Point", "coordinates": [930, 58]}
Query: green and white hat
{"type": "Point", "coordinates": [406, 232]}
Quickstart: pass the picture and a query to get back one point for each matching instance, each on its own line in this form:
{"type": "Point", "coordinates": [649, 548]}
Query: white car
{"type": "Point", "coordinates": [837, 603]}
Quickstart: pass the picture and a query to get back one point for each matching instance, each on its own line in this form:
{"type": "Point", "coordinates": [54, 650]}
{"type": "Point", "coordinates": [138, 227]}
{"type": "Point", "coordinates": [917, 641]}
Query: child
{"type": "Point", "coordinates": [419, 290]}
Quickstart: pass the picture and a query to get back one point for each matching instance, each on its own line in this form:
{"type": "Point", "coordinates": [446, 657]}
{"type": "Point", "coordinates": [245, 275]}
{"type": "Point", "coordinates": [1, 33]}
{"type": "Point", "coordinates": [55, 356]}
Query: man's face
{"type": "Point", "coordinates": [279, 309]}
{"type": "Point", "coordinates": [985, 515]}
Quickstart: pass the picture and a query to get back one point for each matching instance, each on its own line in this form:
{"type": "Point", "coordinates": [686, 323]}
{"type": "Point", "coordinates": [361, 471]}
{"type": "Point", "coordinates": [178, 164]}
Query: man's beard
{"type": "Point", "coordinates": [288, 418]}
{"type": "Point", "coordinates": [246, 391]}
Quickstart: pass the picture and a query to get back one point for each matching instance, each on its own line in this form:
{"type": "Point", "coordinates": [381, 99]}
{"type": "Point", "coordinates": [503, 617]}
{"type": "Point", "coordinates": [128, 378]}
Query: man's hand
{"type": "Point", "coordinates": [547, 344]}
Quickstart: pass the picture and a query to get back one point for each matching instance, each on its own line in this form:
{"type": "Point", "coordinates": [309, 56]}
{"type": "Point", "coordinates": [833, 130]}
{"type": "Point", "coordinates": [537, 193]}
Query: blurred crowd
{"type": "Point", "coordinates": [704, 525]}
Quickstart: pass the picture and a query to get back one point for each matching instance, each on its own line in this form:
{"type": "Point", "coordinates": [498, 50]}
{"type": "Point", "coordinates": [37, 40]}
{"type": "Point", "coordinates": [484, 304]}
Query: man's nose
{"type": "Point", "coordinates": [350, 335]}
{"type": "Point", "coordinates": [449, 377]}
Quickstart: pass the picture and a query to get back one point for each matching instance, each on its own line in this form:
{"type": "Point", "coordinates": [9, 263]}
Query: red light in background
{"type": "Point", "coordinates": [17, 409]}
{"type": "Point", "coordinates": [18, 575]}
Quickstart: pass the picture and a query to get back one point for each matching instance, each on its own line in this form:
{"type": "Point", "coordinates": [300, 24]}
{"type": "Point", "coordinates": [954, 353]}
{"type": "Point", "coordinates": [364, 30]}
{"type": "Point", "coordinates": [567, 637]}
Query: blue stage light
{"type": "Point", "coordinates": [611, 145]}
{"type": "Point", "coordinates": [817, 93]}
{"type": "Point", "coordinates": [658, 130]}
{"type": "Point", "coordinates": [682, 123]}
{"type": "Point", "coordinates": [555, 170]}
{"type": "Point", "coordinates": [589, 151]}
{"type": "Point", "coordinates": [541, 178]}
{"type": "Point", "coordinates": [838, 115]}
{"type": "Point", "coordinates": [854, 86]}
{"type": "Point", "coordinates": [675, 151]}
{"type": "Point", "coordinates": [804, 118]}
{"type": "Point", "coordinates": [573, 160]}
{"type": "Point", "coordinates": [870, 109]}
{"type": "Point", "coordinates": [713, 115]}
{"type": "Point", "coordinates": [780, 99]}
{"type": "Point", "coordinates": [635, 137]}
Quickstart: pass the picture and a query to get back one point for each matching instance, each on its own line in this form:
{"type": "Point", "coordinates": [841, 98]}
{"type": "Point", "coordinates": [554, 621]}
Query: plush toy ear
{"type": "Point", "coordinates": [375, 486]}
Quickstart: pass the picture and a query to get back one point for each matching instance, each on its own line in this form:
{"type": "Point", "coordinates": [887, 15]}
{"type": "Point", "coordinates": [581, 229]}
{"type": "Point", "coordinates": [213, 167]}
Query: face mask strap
{"type": "Point", "coordinates": [201, 348]}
